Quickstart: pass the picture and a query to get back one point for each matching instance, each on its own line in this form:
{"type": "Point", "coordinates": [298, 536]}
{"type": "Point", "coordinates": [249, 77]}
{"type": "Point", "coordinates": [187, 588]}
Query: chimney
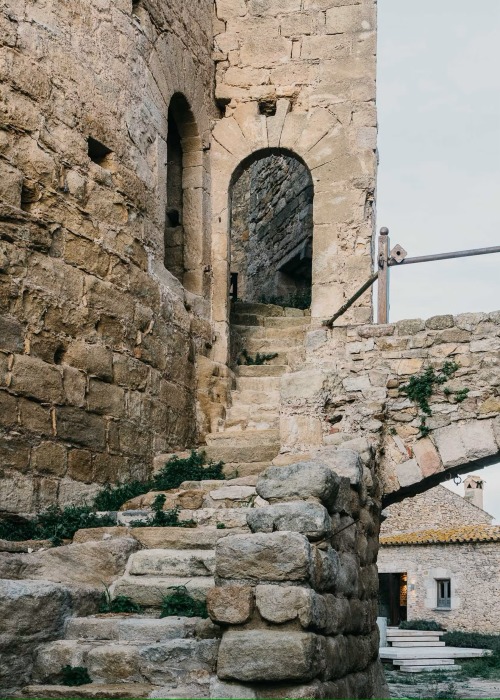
{"type": "Point", "coordinates": [474, 490]}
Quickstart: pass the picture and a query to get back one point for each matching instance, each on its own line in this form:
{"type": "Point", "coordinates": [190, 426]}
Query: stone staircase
{"type": "Point", "coordinates": [248, 439]}
{"type": "Point", "coordinates": [136, 656]}
{"type": "Point", "coordinates": [414, 651]}
{"type": "Point", "coordinates": [145, 656]}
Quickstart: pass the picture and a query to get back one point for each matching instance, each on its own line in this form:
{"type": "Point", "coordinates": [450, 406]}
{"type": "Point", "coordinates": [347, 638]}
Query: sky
{"type": "Point", "coordinates": [439, 144]}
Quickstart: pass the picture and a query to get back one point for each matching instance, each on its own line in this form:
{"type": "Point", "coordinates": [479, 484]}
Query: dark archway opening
{"type": "Point", "coordinates": [272, 230]}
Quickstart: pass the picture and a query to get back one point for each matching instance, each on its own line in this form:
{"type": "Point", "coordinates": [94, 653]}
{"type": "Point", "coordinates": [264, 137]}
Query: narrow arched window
{"type": "Point", "coordinates": [184, 243]}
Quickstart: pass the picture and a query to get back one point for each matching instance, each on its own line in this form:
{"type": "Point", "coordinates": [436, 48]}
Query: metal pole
{"type": "Point", "coordinates": [351, 301]}
{"type": "Point", "coordinates": [383, 276]}
{"type": "Point", "coordinates": [444, 256]}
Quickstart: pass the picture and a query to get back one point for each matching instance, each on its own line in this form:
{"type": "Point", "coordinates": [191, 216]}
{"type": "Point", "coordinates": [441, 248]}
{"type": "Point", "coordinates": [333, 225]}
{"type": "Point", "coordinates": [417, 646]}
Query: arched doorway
{"type": "Point", "coordinates": [272, 230]}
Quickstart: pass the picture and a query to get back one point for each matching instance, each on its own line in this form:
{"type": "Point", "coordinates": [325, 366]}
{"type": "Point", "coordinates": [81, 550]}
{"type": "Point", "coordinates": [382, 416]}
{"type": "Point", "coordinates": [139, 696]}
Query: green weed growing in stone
{"type": "Point", "coordinates": [75, 675]}
{"type": "Point", "coordinates": [176, 470]}
{"type": "Point", "coordinates": [163, 518]}
{"type": "Point", "coordinates": [259, 360]}
{"type": "Point", "coordinates": [55, 524]}
{"type": "Point", "coordinates": [120, 604]}
{"type": "Point", "coordinates": [181, 603]}
{"type": "Point", "coordinates": [421, 387]}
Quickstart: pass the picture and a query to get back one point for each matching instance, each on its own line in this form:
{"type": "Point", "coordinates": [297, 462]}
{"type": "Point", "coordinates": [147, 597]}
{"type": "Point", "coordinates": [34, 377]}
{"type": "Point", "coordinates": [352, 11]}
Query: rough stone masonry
{"type": "Point", "coordinates": [108, 358]}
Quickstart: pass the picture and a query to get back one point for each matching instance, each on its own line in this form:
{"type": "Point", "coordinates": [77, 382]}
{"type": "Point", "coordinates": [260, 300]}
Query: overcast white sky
{"type": "Point", "coordinates": [439, 142]}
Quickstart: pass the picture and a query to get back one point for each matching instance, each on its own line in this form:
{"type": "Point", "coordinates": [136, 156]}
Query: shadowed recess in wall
{"type": "Point", "coordinates": [272, 229]}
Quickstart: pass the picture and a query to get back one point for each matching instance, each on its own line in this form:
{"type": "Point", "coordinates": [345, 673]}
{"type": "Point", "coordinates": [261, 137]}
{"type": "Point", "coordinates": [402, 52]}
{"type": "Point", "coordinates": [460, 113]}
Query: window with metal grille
{"type": "Point", "coordinates": [444, 593]}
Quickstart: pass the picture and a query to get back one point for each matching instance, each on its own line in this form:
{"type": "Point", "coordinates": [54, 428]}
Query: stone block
{"type": "Point", "coordinates": [357, 383]}
{"type": "Point", "coordinates": [310, 519]}
{"type": "Point", "coordinates": [221, 689]}
{"type": "Point", "coordinates": [279, 604]}
{"type": "Point", "coordinates": [49, 458]}
{"type": "Point", "coordinates": [78, 426]}
{"type": "Point", "coordinates": [427, 457]}
{"type": "Point", "coordinates": [11, 335]}
{"type": "Point", "coordinates": [265, 655]}
{"type": "Point", "coordinates": [35, 417]}
{"type": "Point", "coordinates": [409, 473]}
{"type": "Point", "coordinates": [303, 480]}
{"type": "Point", "coordinates": [8, 409]}
{"type": "Point", "coordinates": [33, 377]}
{"type": "Point", "coordinates": [280, 556]}
{"type": "Point", "coordinates": [94, 359]}
{"type": "Point", "coordinates": [106, 399]}
{"type": "Point", "coordinates": [75, 385]}
{"type": "Point", "coordinates": [460, 443]}
{"type": "Point", "coordinates": [326, 569]}
{"type": "Point", "coordinates": [302, 385]}
{"type": "Point", "coordinates": [17, 492]}
{"type": "Point", "coordinates": [439, 323]}
{"type": "Point", "coordinates": [80, 465]}
{"type": "Point", "coordinates": [348, 575]}
{"type": "Point", "coordinates": [345, 463]}
{"type": "Point", "coordinates": [230, 605]}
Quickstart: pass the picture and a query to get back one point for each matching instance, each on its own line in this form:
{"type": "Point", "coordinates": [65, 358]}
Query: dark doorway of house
{"type": "Point", "coordinates": [393, 592]}
{"type": "Point", "coordinates": [272, 230]}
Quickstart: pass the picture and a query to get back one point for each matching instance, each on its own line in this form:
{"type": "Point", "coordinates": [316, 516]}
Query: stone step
{"type": "Point", "coordinates": [247, 468]}
{"type": "Point", "coordinates": [425, 662]}
{"type": "Point", "coordinates": [138, 628]}
{"type": "Point", "coordinates": [171, 662]}
{"type": "Point", "coordinates": [116, 691]}
{"type": "Point", "coordinates": [246, 454]}
{"type": "Point", "coordinates": [396, 632]}
{"type": "Point", "coordinates": [426, 638]}
{"type": "Point", "coordinates": [283, 335]}
{"type": "Point", "coordinates": [252, 398]}
{"type": "Point", "coordinates": [150, 590]}
{"type": "Point", "coordinates": [258, 437]}
{"type": "Point", "coordinates": [258, 383]}
{"type": "Point", "coordinates": [225, 518]}
{"type": "Point", "coordinates": [161, 537]}
{"type": "Point", "coordinates": [261, 370]}
{"type": "Point", "coordinates": [415, 644]}
{"type": "Point", "coordinates": [433, 667]}
{"type": "Point", "coordinates": [250, 424]}
{"type": "Point", "coordinates": [192, 495]}
{"type": "Point", "coordinates": [172, 562]}
{"type": "Point", "coordinates": [243, 307]}
{"type": "Point", "coordinates": [287, 322]}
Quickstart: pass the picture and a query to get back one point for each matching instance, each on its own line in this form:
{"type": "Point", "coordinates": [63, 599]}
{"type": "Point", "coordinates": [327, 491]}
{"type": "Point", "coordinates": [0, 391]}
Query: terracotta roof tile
{"type": "Point", "coordinates": [467, 533]}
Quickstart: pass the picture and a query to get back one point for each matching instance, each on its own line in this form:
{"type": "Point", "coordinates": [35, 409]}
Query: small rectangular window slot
{"type": "Point", "coordinates": [99, 153]}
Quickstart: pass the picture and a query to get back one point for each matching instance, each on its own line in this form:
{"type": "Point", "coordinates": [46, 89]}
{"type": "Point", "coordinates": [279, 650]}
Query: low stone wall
{"type": "Point", "coordinates": [298, 597]}
{"type": "Point", "coordinates": [471, 569]}
{"type": "Point", "coordinates": [351, 386]}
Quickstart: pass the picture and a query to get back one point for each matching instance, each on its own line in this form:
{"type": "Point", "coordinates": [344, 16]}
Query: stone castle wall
{"type": "Point", "coordinates": [350, 386]}
{"type": "Point", "coordinates": [271, 218]}
{"type": "Point", "coordinates": [475, 584]}
{"type": "Point", "coordinates": [436, 508]}
{"type": "Point", "coordinates": [98, 342]}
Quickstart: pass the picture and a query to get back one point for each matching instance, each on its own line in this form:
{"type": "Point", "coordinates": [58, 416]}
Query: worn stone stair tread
{"type": "Point", "coordinates": [232, 518]}
{"type": "Point", "coordinates": [262, 370]}
{"type": "Point", "coordinates": [172, 562]}
{"type": "Point", "coordinates": [293, 334]}
{"type": "Point", "coordinates": [434, 667]}
{"type": "Point", "coordinates": [250, 397]}
{"type": "Point", "coordinates": [150, 590]}
{"type": "Point", "coordinates": [389, 653]}
{"type": "Point", "coordinates": [425, 662]}
{"type": "Point", "coordinates": [260, 437]}
{"type": "Point", "coordinates": [258, 383]}
{"type": "Point", "coordinates": [247, 468]}
{"type": "Point", "coordinates": [201, 537]}
{"type": "Point", "coordinates": [92, 690]}
{"type": "Point", "coordinates": [426, 638]}
{"type": "Point", "coordinates": [405, 644]}
{"type": "Point", "coordinates": [137, 628]}
{"type": "Point", "coordinates": [246, 307]}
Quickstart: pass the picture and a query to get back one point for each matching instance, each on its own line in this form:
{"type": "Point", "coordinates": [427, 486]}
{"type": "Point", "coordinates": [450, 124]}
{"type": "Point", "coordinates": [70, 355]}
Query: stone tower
{"type": "Point", "coordinates": [474, 490]}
